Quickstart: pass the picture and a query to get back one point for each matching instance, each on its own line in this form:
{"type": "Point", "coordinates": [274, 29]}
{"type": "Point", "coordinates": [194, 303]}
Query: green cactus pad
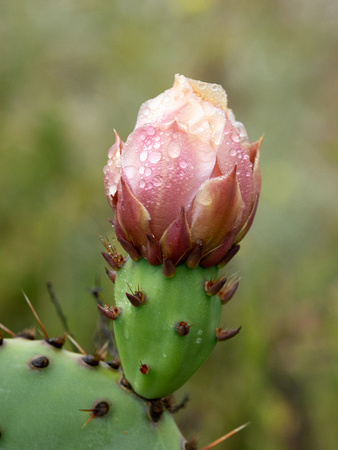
{"type": "Point", "coordinates": [44, 389]}
{"type": "Point", "coordinates": [155, 358]}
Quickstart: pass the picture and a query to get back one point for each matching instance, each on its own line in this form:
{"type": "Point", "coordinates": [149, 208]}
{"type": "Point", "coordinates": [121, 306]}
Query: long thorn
{"type": "Point", "coordinates": [226, 436]}
{"type": "Point", "coordinates": [89, 420]}
{"type": "Point", "coordinates": [78, 346]}
{"type": "Point", "coordinates": [36, 315]}
{"type": "Point", "coordinates": [57, 306]}
{"type": "Point", "coordinates": [7, 330]}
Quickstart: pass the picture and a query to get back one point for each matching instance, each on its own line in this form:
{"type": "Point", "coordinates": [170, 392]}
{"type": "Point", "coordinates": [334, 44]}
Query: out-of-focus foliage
{"type": "Point", "coordinates": [72, 70]}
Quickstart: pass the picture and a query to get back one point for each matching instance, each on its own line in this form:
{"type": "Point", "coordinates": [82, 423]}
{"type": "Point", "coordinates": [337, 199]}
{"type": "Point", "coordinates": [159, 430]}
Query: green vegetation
{"type": "Point", "coordinates": [53, 399]}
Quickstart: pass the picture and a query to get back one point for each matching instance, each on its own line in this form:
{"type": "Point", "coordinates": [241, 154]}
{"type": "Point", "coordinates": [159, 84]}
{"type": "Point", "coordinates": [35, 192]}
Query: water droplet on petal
{"type": "Point", "coordinates": [142, 184]}
{"type": "Point", "coordinates": [155, 157]}
{"type": "Point", "coordinates": [235, 137]}
{"type": "Point", "coordinates": [174, 150]}
{"type": "Point", "coordinates": [204, 198]}
{"type": "Point", "coordinates": [151, 131]}
{"type": "Point", "coordinates": [147, 172]}
{"type": "Point", "coordinates": [248, 173]}
{"type": "Point", "coordinates": [183, 164]}
{"type": "Point", "coordinates": [142, 137]}
{"type": "Point", "coordinates": [143, 156]}
{"type": "Point", "coordinates": [233, 152]}
{"type": "Point", "coordinates": [141, 170]}
{"type": "Point", "coordinates": [150, 185]}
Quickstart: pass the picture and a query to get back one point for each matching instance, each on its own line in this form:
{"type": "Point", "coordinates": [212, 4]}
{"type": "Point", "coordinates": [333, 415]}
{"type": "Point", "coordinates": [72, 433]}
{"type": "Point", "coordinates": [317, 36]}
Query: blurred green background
{"type": "Point", "coordinates": [70, 72]}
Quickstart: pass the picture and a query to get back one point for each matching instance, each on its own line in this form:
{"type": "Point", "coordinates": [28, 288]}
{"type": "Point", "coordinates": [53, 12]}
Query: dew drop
{"type": "Point", "coordinates": [233, 152]}
{"type": "Point", "coordinates": [143, 156]}
{"type": "Point", "coordinates": [142, 184]}
{"type": "Point", "coordinates": [198, 340]}
{"type": "Point", "coordinates": [240, 155]}
{"type": "Point", "coordinates": [141, 170]}
{"type": "Point", "coordinates": [157, 145]}
{"type": "Point", "coordinates": [235, 137]}
{"type": "Point", "coordinates": [151, 131]}
{"type": "Point", "coordinates": [147, 172]}
{"type": "Point", "coordinates": [174, 150]}
{"type": "Point", "coordinates": [155, 157]}
{"type": "Point", "coordinates": [142, 137]}
{"type": "Point", "coordinates": [183, 164]}
{"type": "Point", "coordinates": [248, 173]}
{"type": "Point", "coordinates": [150, 186]}
{"type": "Point", "coordinates": [204, 198]}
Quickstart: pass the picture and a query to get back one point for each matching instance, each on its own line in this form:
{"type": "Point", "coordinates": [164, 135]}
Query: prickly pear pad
{"type": "Point", "coordinates": [44, 389]}
{"type": "Point", "coordinates": [156, 358]}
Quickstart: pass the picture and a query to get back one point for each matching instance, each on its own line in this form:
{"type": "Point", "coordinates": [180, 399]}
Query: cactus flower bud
{"type": "Point", "coordinates": [186, 178]}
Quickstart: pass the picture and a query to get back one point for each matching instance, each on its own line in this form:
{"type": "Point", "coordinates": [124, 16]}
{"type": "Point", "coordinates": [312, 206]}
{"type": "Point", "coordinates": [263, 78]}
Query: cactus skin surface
{"type": "Point", "coordinates": [43, 390]}
{"type": "Point", "coordinates": [146, 335]}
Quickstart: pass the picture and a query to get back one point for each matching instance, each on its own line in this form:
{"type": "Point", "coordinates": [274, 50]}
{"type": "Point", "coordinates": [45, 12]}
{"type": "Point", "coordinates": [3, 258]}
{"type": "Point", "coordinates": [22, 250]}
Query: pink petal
{"type": "Point", "coordinates": [254, 152]}
{"type": "Point", "coordinates": [216, 210]}
{"type": "Point", "coordinates": [165, 166]}
{"type": "Point", "coordinates": [112, 171]}
{"type": "Point", "coordinates": [153, 252]}
{"type": "Point", "coordinates": [217, 255]}
{"type": "Point", "coordinates": [132, 217]}
{"type": "Point", "coordinates": [232, 151]}
{"type": "Point", "coordinates": [197, 106]}
{"type": "Point", "coordinates": [247, 225]}
{"type": "Point", "coordinates": [175, 241]}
